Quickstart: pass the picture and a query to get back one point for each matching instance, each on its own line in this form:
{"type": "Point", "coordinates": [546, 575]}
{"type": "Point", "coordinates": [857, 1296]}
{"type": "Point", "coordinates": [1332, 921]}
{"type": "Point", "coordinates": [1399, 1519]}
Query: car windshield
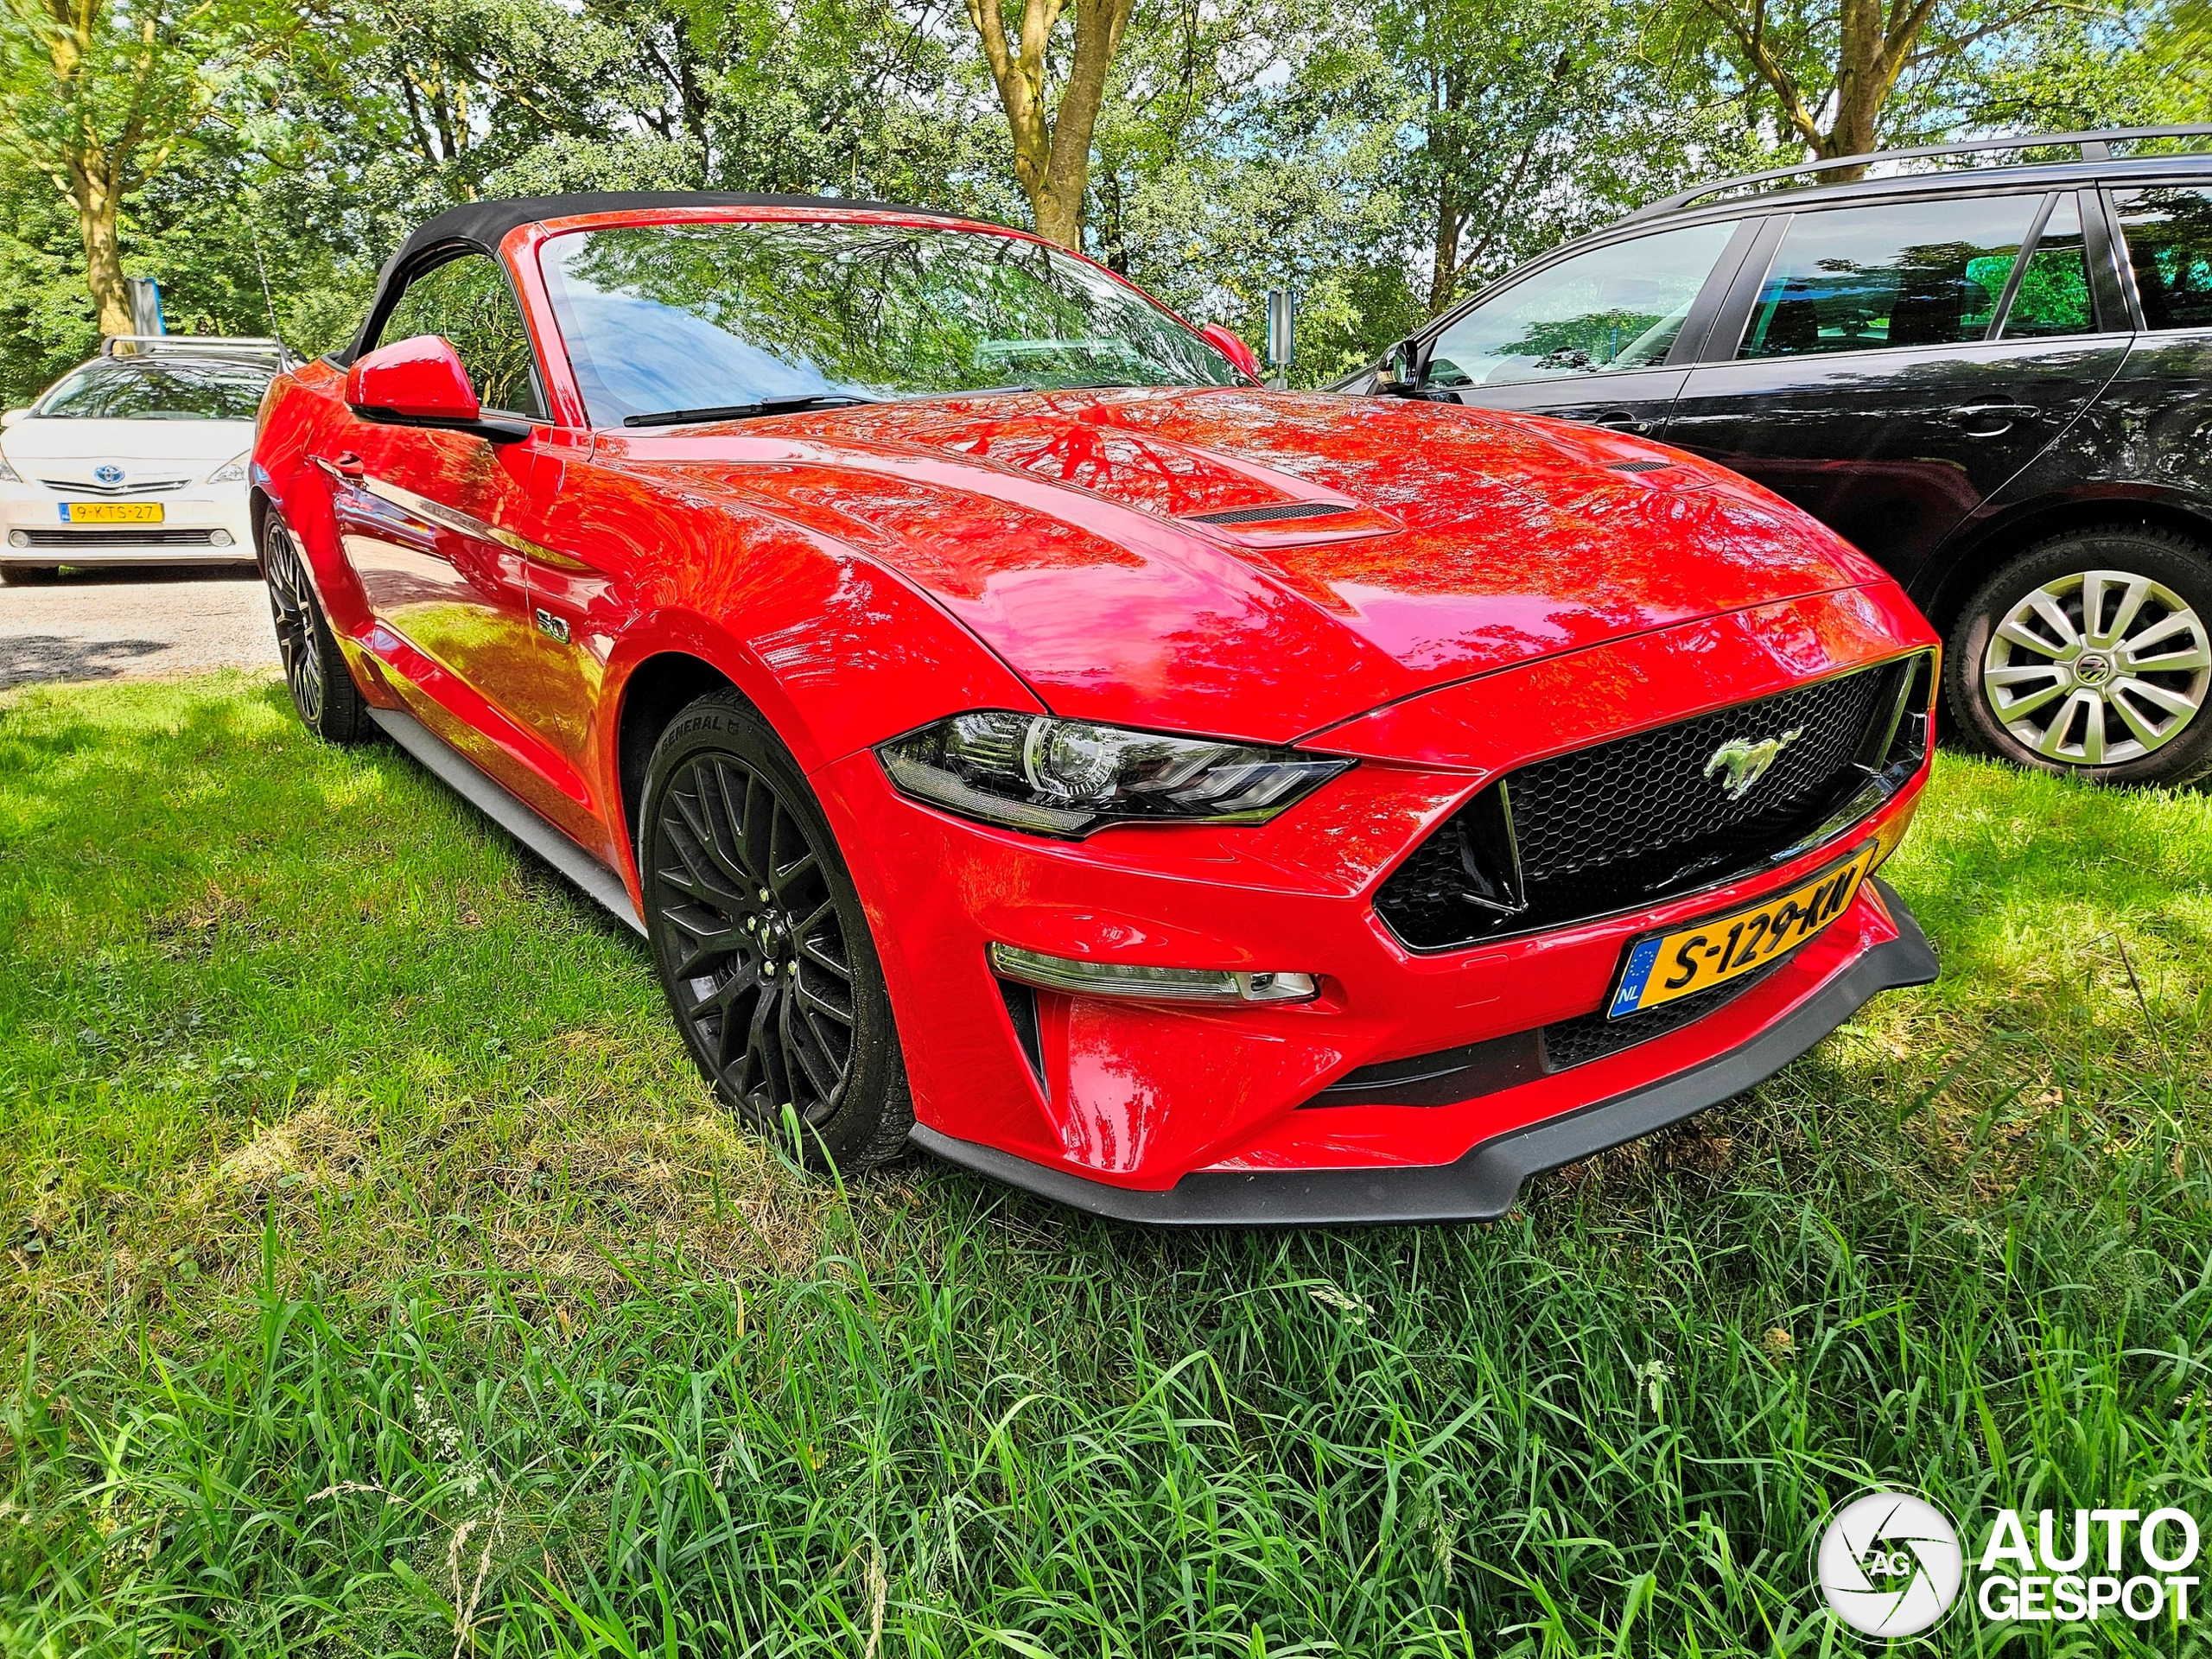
{"type": "Point", "coordinates": [114, 389]}
{"type": "Point", "coordinates": [667, 317]}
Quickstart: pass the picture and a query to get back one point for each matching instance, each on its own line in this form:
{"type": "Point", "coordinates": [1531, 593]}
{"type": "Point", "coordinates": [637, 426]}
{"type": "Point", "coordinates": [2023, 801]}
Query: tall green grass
{"type": "Point", "coordinates": [382, 1281]}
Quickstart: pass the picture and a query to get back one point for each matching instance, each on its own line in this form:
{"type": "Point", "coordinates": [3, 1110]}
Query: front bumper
{"type": "Point", "coordinates": [1482, 1185]}
{"type": "Point", "coordinates": [201, 523]}
{"type": "Point", "coordinates": [1075, 1093]}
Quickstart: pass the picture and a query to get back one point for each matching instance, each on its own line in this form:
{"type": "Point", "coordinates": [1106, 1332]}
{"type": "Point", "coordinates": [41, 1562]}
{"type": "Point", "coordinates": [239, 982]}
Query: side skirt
{"type": "Point", "coordinates": [458, 772]}
{"type": "Point", "coordinates": [1483, 1184]}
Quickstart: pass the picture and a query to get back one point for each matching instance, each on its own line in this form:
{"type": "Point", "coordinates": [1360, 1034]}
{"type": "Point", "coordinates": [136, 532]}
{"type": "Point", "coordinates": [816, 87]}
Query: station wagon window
{"type": "Point", "coordinates": [2053, 298]}
{"type": "Point", "coordinates": [467, 302]}
{"type": "Point", "coordinates": [2168, 231]}
{"type": "Point", "coordinates": [1920, 273]}
{"type": "Point", "coordinates": [1615, 307]}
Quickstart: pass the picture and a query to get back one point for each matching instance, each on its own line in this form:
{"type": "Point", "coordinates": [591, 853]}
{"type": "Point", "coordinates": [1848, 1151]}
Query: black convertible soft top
{"type": "Point", "coordinates": [480, 226]}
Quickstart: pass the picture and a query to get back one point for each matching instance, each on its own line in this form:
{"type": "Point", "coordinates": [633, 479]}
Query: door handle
{"type": "Point", "coordinates": [347, 466]}
{"type": "Point", "coordinates": [1994, 419]}
{"type": "Point", "coordinates": [1627, 423]}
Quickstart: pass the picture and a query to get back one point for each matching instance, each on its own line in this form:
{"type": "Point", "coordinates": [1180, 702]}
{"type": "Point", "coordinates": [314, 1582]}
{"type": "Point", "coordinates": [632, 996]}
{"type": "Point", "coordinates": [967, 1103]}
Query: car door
{"type": "Point", "coordinates": [1603, 335]}
{"type": "Point", "coordinates": [1870, 373]}
{"type": "Point", "coordinates": [437, 525]}
{"type": "Point", "coordinates": [2166, 230]}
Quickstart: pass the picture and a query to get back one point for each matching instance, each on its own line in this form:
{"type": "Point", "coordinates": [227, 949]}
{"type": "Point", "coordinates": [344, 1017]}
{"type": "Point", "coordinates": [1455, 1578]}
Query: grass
{"type": "Point", "coordinates": [381, 1280]}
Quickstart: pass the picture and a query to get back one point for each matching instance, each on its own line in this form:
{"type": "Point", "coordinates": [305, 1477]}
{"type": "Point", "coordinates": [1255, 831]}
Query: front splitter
{"type": "Point", "coordinates": [1482, 1185]}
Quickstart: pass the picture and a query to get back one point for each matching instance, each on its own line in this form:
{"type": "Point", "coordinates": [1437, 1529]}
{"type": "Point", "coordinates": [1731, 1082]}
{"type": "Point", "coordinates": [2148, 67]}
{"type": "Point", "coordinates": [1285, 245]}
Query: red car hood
{"type": "Point", "coordinates": [1428, 543]}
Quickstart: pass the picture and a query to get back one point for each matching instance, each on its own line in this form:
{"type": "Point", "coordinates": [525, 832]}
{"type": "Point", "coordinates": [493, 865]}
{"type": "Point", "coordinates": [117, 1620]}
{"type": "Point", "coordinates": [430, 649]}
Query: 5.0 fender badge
{"type": "Point", "coordinates": [1742, 762]}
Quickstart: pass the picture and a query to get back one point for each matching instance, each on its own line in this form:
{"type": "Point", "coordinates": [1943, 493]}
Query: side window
{"type": "Point", "coordinates": [2053, 298]}
{"type": "Point", "coordinates": [1614, 308]}
{"type": "Point", "coordinates": [1920, 273]}
{"type": "Point", "coordinates": [467, 302]}
{"type": "Point", "coordinates": [2168, 231]}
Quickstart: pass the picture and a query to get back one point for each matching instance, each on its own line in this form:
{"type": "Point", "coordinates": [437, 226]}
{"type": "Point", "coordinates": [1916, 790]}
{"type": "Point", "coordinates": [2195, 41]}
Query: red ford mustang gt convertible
{"type": "Point", "coordinates": [1017, 733]}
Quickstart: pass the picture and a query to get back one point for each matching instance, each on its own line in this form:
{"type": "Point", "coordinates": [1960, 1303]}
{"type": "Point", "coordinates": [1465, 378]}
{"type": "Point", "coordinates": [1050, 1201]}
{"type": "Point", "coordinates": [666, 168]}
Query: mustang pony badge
{"type": "Point", "coordinates": [1742, 763]}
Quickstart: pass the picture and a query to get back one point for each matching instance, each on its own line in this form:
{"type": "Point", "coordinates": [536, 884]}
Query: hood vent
{"type": "Point", "coordinates": [1270, 515]}
{"type": "Point", "coordinates": [1637, 465]}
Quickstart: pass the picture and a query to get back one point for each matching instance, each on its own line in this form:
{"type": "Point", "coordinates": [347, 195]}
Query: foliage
{"type": "Point", "coordinates": [1382, 161]}
{"type": "Point", "coordinates": [100, 96]}
{"type": "Point", "coordinates": [381, 1279]}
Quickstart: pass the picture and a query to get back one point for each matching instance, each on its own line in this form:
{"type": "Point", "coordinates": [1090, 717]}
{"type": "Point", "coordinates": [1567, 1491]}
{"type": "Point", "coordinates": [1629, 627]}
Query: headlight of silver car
{"type": "Point", "coordinates": [231, 471]}
{"type": "Point", "coordinates": [8, 475]}
{"type": "Point", "coordinates": [1069, 777]}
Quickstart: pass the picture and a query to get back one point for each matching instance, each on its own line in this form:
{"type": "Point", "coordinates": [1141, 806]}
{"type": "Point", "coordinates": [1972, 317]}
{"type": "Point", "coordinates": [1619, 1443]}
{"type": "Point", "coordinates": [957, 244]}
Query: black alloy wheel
{"type": "Point", "coordinates": [761, 944]}
{"type": "Point", "coordinates": [315, 673]}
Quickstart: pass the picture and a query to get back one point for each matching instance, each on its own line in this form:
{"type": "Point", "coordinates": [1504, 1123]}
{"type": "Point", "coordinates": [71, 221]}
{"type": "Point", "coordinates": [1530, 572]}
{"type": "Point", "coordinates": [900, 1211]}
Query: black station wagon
{"type": "Point", "coordinates": [1995, 380]}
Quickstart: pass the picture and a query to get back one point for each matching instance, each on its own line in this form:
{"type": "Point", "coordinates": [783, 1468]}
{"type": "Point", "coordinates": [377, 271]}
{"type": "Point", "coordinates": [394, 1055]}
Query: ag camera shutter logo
{"type": "Point", "coordinates": [1890, 1564]}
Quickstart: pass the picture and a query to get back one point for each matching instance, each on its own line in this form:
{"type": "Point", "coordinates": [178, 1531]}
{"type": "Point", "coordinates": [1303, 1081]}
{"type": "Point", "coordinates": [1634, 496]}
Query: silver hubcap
{"type": "Point", "coordinates": [2098, 669]}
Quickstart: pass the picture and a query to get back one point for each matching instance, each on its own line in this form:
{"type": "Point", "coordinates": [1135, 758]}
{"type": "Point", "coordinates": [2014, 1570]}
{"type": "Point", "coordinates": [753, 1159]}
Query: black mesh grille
{"type": "Point", "coordinates": [1645, 794]}
{"type": "Point", "coordinates": [1281, 509]}
{"type": "Point", "coordinates": [1592, 1037]}
{"type": "Point", "coordinates": [1642, 817]}
{"type": "Point", "coordinates": [1424, 901]}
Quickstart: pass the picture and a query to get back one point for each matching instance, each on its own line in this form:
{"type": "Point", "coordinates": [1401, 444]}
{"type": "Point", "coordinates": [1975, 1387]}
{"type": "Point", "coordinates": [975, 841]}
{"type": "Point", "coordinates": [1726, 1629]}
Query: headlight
{"type": "Point", "coordinates": [1068, 776]}
{"type": "Point", "coordinates": [231, 471]}
{"type": "Point", "coordinates": [8, 475]}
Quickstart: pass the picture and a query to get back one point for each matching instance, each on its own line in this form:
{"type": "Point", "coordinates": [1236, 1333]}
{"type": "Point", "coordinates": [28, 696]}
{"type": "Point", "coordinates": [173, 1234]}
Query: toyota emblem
{"type": "Point", "coordinates": [108, 474]}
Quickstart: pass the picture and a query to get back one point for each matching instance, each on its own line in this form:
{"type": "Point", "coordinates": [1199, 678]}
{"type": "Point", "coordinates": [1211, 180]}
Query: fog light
{"type": "Point", "coordinates": [19, 539]}
{"type": "Point", "coordinates": [219, 539]}
{"type": "Point", "coordinates": [1151, 984]}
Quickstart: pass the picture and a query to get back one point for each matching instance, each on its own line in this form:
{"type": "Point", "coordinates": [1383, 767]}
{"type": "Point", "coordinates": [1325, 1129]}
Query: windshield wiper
{"type": "Point", "coordinates": [746, 411]}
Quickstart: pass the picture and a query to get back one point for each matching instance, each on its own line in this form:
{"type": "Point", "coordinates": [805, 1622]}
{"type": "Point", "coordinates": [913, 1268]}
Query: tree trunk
{"type": "Point", "coordinates": [93, 192]}
{"type": "Point", "coordinates": [1113, 236]}
{"type": "Point", "coordinates": [1052, 150]}
{"type": "Point", "coordinates": [1443, 276]}
{"type": "Point", "coordinates": [1876, 39]}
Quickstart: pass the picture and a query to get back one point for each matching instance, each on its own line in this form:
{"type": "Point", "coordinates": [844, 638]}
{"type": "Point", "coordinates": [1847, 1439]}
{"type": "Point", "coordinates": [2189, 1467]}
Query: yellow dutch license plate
{"type": "Point", "coordinates": [1663, 966]}
{"type": "Point", "coordinates": [111, 512]}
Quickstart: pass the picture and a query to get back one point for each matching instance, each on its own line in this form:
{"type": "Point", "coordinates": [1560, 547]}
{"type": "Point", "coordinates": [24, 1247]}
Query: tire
{"type": "Point", "coordinates": [25, 575]}
{"type": "Point", "coordinates": [781, 999]}
{"type": "Point", "coordinates": [2125, 703]}
{"type": "Point", "coordinates": [323, 692]}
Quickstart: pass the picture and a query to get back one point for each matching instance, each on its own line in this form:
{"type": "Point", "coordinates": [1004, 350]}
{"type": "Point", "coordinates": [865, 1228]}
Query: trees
{"type": "Point", "coordinates": [1051, 147]}
{"type": "Point", "coordinates": [96, 96]}
{"type": "Point", "coordinates": [1525, 121]}
{"type": "Point", "coordinates": [1503, 96]}
{"type": "Point", "coordinates": [1843, 59]}
{"type": "Point", "coordinates": [1382, 159]}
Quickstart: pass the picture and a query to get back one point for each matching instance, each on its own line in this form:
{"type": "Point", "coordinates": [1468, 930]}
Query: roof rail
{"type": "Point", "coordinates": [2092, 146]}
{"type": "Point", "coordinates": [212, 345]}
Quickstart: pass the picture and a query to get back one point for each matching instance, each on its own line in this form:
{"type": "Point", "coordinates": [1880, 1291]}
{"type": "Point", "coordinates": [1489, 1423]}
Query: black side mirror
{"type": "Point", "coordinates": [1400, 374]}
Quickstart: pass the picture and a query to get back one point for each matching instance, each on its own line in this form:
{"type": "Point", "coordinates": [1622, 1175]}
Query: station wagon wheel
{"type": "Point", "coordinates": [315, 673]}
{"type": "Point", "coordinates": [761, 942]}
{"type": "Point", "coordinates": [2092, 655]}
